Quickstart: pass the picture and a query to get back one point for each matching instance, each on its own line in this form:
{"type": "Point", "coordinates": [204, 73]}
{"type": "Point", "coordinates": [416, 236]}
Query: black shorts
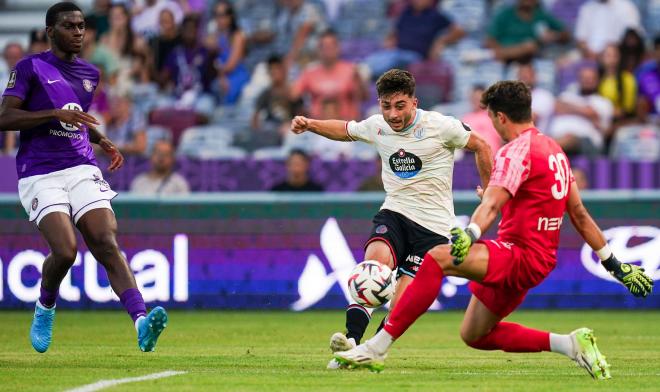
{"type": "Point", "coordinates": [407, 240]}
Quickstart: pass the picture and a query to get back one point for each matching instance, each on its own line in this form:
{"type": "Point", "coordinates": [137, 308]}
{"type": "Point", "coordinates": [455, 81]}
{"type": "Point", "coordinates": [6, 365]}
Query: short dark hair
{"type": "Point", "coordinates": [56, 9]}
{"type": "Point", "coordinates": [274, 60]}
{"type": "Point", "coordinates": [328, 33]}
{"type": "Point", "coordinates": [395, 81]}
{"type": "Point", "coordinates": [299, 151]}
{"type": "Point", "coordinates": [511, 97]}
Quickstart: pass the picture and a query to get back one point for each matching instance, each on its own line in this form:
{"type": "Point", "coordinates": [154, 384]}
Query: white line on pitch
{"type": "Point", "coordinates": [111, 383]}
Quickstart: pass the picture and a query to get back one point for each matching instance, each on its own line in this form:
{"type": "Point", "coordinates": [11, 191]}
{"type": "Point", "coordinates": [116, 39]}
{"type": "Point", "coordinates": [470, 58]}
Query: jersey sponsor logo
{"type": "Point", "coordinates": [405, 164]}
{"type": "Point", "coordinates": [630, 244]}
{"type": "Point", "coordinates": [70, 135]}
{"type": "Point", "coordinates": [70, 127]}
{"type": "Point", "coordinates": [12, 79]}
{"type": "Point", "coordinates": [549, 224]}
{"type": "Point", "coordinates": [87, 85]}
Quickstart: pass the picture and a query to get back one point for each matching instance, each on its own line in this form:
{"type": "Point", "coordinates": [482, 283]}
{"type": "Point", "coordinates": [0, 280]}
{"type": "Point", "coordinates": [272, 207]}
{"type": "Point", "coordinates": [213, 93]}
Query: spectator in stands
{"type": "Point", "coordinates": [582, 116]}
{"type": "Point", "coordinates": [374, 183]}
{"type": "Point", "coordinates": [297, 175]}
{"type": "Point", "coordinates": [649, 83]}
{"type": "Point", "coordinates": [603, 22]}
{"type": "Point", "coordinates": [188, 72]}
{"type": "Point", "coordinates": [518, 32]}
{"type": "Point", "coordinates": [161, 179]}
{"type": "Point", "coordinates": [275, 106]}
{"type": "Point", "coordinates": [11, 55]}
{"type": "Point", "coordinates": [38, 41]}
{"type": "Point", "coordinates": [228, 46]}
{"type": "Point", "coordinates": [126, 126]}
{"type": "Point", "coordinates": [162, 44]}
{"type": "Point", "coordinates": [146, 20]}
{"type": "Point", "coordinates": [420, 32]}
{"type": "Point", "coordinates": [543, 101]}
{"type": "Point", "coordinates": [99, 16]}
{"type": "Point", "coordinates": [98, 53]}
{"type": "Point", "coordinates": [331, 79]}
{"type": "Point", "coordinates": [297, 26]}
{"type": "Point", "coordinates": [632, 50]}
{"type": "Point", "coordinates": [119, 38]}
{"type": "Point", "coordinates": [616, 84]}
{"type": "Point", "coordinates": [479, 121]}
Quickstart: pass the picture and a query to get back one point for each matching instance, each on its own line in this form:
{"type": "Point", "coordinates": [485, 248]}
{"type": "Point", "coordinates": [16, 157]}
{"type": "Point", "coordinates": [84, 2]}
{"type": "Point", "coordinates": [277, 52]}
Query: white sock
{"type": "Point", "coordinates": [381, 342]}
{"type": "Point", "coordinates": [562, 344]}
{"type": "Point", "coordinates": [137, 322]}
{"type": "Point", "coordinates": [352, 342]}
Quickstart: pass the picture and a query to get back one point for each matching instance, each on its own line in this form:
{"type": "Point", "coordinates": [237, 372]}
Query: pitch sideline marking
{"type": "Point", "coordinates": [102, 384]}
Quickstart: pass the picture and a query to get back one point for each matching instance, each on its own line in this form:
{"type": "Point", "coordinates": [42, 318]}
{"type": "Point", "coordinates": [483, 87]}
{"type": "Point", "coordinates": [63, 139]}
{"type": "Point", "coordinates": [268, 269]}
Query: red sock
{"type": "Point", "coordinates": [514, 338]}
{"type": "Point", "coordinates": [417, 298]}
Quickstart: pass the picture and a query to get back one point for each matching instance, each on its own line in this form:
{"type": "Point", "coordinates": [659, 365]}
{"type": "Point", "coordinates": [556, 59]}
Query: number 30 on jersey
{"type": "Point", "coordinates": [559, 165]}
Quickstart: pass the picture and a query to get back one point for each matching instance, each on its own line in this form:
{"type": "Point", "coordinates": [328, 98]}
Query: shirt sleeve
{"type": "Point", "coordinates": [363, 130]}
{"type": "Point", "coordinates": [553, 22]}
{"type": "Point", "coordinates": [20, 79]}
{"type": "Point", "coordinates": [456, 133]}
{"type": "Point", "coordinates": [512, 167]}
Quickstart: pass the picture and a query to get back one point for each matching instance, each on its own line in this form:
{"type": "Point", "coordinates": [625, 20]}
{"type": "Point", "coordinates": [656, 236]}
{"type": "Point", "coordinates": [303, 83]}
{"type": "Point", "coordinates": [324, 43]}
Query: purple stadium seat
{"type": "Point", "coordinates": [435, 82]}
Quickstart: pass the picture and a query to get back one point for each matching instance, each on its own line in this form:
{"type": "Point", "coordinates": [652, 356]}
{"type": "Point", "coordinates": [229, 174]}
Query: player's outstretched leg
{"type": "Point", "coordinates": [98, 227]}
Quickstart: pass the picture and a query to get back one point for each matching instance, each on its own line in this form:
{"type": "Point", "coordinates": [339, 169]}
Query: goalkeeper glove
{"type": "Point", "coordinates": [461, 241]}
{"type": "Point", "coordinates": [632, 276]}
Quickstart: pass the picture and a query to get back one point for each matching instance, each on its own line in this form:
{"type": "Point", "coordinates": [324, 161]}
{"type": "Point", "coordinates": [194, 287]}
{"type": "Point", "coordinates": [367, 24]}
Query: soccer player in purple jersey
{"type": "Point", "coordinates": [47, 98]}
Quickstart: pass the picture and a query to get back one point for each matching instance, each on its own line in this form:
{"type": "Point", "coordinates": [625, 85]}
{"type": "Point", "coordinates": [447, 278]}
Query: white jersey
{"type": "Point", "coordinates": [418, 165]}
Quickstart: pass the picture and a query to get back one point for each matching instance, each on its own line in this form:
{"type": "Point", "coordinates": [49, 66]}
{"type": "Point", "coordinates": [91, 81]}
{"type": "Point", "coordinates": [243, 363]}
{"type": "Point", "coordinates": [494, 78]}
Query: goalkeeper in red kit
{"type": "Point", "coordinates": [532, 186]}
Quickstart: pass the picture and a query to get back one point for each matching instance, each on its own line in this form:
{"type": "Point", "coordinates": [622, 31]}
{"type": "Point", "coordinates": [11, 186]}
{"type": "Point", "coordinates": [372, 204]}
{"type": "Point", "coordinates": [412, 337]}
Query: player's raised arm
{"type": "Point", "coordinates": [12, 117]}
{"type": "Point", "coordinates": [483, 155]}
{"type": "Point", "coordinates": [331, 129]}
{"type": "Point", "coordinates": [630, 275]}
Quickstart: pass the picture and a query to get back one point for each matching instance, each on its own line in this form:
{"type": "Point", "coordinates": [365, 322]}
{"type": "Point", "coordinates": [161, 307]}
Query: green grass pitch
{"type": "Point", "coordinates": [272, 351]}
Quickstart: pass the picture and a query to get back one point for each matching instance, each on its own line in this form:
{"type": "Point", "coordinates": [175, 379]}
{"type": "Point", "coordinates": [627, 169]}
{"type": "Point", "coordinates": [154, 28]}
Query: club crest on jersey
{"type": "Point", "coordinates": [419, 133]}
{"type": "Point", "coordinates": [381, 229]}
{"type": "Point", "coordinates": [405, 164]}
{"type": "Point", "coordinates": [35, 204]}
{"type": "Point", "coordinates": [87, 85]}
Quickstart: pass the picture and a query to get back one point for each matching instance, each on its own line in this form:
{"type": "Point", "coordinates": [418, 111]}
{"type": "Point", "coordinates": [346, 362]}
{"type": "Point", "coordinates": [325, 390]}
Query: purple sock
{"type": "Point", "coordinates": [47, 298]}
{"type": "Point", "coordinates": [133, 303]}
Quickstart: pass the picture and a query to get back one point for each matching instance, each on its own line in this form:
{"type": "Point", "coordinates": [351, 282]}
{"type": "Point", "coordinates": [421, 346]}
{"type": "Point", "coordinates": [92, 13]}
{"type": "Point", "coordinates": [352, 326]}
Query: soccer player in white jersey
{"type": "Point", "coordinates": [417, 151]}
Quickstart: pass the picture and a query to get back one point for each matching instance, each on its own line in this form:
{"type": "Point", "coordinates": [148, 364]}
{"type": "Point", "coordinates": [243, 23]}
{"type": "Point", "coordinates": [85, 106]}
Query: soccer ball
{"type": "Point", "coordinates": [371, 284]}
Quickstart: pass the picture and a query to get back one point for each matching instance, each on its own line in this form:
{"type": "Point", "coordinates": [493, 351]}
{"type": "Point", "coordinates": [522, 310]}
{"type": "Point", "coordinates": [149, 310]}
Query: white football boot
{"type": "Point", "coordinates": [339, 342]}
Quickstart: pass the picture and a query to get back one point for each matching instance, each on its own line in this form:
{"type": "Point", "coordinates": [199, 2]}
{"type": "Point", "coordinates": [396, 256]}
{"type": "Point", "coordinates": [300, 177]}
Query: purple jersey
{"type": "Point", "coordinates": [43, 82]}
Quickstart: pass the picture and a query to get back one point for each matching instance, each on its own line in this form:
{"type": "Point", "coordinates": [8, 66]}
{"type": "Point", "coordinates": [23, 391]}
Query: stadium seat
{"type": "Point", "coordinates": [176, 120]}
{"type": "Point", "coordinates": [636, 142]}
{"type": "Point", "coordinates": [435, 82]}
